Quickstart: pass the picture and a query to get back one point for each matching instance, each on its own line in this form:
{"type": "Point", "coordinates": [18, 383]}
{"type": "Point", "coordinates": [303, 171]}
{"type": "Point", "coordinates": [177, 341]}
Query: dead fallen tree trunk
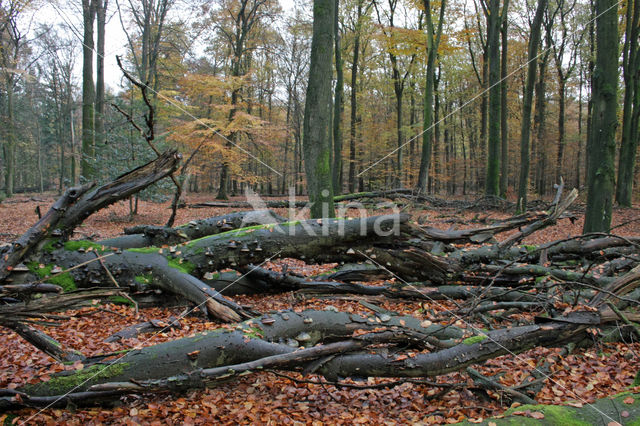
{"type": "Point", "coordinates": [80, 202]}
{"type": "Point", "coordinates": [359, 346]}
{"type": "Point", "coordinates": [149, 235]}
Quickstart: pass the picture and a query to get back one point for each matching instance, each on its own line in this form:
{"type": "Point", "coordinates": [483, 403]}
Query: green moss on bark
{"type": "Point", "coordinates": [64, 280]}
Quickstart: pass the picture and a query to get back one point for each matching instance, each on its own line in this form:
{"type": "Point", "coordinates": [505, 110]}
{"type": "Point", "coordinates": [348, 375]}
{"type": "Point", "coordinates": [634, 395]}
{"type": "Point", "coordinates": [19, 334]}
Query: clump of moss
{"type": "Point", "coordinates": [150, 249]}
{"type": "Point", "coordinates": [64, 280]}
{"type": "Point", "coordinates": [120, 300]}
{"type": "Point", "coordinates": [64, 383]}
{"type": "Point", "coordinates": [51, 245]}
{"type": "Point", "coordinates": [474, 339]}
{"type": "Point", "coordinates": [82, 244]}
{"type": "Point", "coordinates": [181, 265]}
{"type": "Point", "coordinates": [144, 279]}
{"type": "Point", "coordinates": [241, 232]}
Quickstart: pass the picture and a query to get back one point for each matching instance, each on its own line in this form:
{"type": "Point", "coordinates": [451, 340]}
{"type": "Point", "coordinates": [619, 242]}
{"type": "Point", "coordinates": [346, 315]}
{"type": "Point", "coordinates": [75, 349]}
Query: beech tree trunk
{"type": "Point", "coordinates": [317, 143]}
{"type": "Point", "coordinates": [88, 91]}
{"type": "Point", "coordinates": [525, 132]}
{"type": "Point", "coordinates": [601, 154]}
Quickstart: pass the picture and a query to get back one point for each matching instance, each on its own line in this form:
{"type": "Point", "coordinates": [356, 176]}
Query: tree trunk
{"type": "Point", "coordinates": [354, 105]}
{"type": "Point", "coordinates": [631, 107]}
{"type": "Point", "coordinates": [603, 131]}
{"type": "Point", "coordinates": [10, 146]}
{"type": "Point", "coordinates": [504, 129]}
{"type": "Point", "coordinates": [101, 13]}
{"type": "Point", "coordinates": [88, 91]}
{"type": "Point", "coordinates": [561, 130]}
{"type": "Point", "coordinates": [534, 42]}
{"type": "Point", "coordinates": [317, 143]}
{"type": "Point", "coordinates": [492, 182]}
{"type": "Point", "coordinates": [433, 42]}
{"type": "Point", "coordinates": [338, 108]}
{"type": "Point", "coordinates": [207, 358]}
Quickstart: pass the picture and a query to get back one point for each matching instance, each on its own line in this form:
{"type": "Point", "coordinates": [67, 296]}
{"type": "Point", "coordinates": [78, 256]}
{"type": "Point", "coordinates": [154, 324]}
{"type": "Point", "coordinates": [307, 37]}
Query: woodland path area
{"type": "Point", "coordinates": [584, 375]}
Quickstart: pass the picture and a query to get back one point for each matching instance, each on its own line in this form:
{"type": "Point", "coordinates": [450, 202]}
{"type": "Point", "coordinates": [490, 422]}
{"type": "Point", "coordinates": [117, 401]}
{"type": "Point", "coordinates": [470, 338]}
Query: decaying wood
{"type": "Point", "coordinates": [144, 327]}
{"type": "Point", "coordinates": [78, 203]}
{"type": "Point", "coordinates": [211, 357]}
{"type": "Point", "coordinates": [425, 264]}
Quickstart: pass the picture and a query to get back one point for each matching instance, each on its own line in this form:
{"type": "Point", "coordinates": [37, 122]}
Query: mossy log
{"type": "Point", "coordinates": [272, 341]}
{"type": "Point", "coordinates": [621, 409]}
{"type": "Point", "coordinates": [149, 235]}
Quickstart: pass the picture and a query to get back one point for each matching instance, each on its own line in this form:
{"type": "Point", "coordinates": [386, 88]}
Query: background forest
{"type": "Point", "coordinates": [414, 93]}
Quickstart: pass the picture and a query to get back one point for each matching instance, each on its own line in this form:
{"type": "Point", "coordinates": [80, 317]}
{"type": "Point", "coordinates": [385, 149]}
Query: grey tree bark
{"type": "Point", "coordinates": [601, 155]}
{"type": "Point", "coordinates": [316, 142]}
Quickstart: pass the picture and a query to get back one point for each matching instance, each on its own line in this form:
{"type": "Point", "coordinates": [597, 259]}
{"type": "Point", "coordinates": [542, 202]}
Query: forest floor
{"type": "Point", "coordinates": [266, 398]}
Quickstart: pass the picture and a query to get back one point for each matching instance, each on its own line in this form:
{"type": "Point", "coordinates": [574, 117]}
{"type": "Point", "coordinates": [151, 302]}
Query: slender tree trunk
{"type": "Point", "coordinates": [74, 154]}
{"type": "Point", "coordinates": [561, 130]}
{"type": "Point", "coordinates": [492, 182]}
{"type": "Point", "coordinates": [602, 155]}
{"type": "Point", "coordinates": [10, 146]}
{"type": "Point", "coordinates": [88, 91]}
{"type": "Point", "coordinates": [631, 111]}
{"type": "Point", "coordinates": [354, 104]}
{"type": "Point", "coordinates": [101, 13]}
{"type": "Point", "coordinates": [484, 119]}
{"type": "Point", "coordinates": [504, 130]}
{"type": "Point", "coordinates": [539, 123]}
{"type": "Point", "coordinates": [534, 42]}
{"type": "Point", "coordinates": [580, 132]}
{"type": "Point", "coordinates": [338, 107]}
{"type": "Point", "coordinates": [433, 41]}
{"type": "Point", "coordinates": [316, 144]}
{"type": "Point", "coordinates": [399, 91]}
{"type": "Point", "coordinates": [437, 146]}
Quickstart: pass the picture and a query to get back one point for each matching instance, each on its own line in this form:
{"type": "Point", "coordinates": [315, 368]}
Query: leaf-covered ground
{"type": "Point", "coordinates": [268, 398]}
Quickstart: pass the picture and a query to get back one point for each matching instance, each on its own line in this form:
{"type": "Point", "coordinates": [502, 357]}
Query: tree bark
{"type": "Point", "coordinates": [433, 42]}
{"type": "Point", "coordinates": [631, 107]}
{"type": "Point", "coordinates": [338, 108]}
{"type": "Point", "coordinates": [208, 358]}
{"type": "Point", "coordinates": [316, 142]}
{"type": "Point", "coordinates": [601, 154]}
{"type": "Point", "coordinates": [492, 183]}
{"type": "Point", "coordinates": [101, 13]}
{"type": "Point", "coordinates": [504, 116]}
{"type": "Point", "coordinates": [88, 91]}
{"type": "Point", "coordinates": [534, 42]}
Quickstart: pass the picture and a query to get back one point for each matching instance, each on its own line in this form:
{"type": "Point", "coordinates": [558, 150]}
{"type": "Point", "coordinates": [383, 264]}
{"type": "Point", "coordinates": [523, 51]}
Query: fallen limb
{"type": "Point", "coordinates": [144, 327]}
{"type": "Point", "coordinates": [216, 355]}
{"type": "Point", "coordinates": [149, 235]}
